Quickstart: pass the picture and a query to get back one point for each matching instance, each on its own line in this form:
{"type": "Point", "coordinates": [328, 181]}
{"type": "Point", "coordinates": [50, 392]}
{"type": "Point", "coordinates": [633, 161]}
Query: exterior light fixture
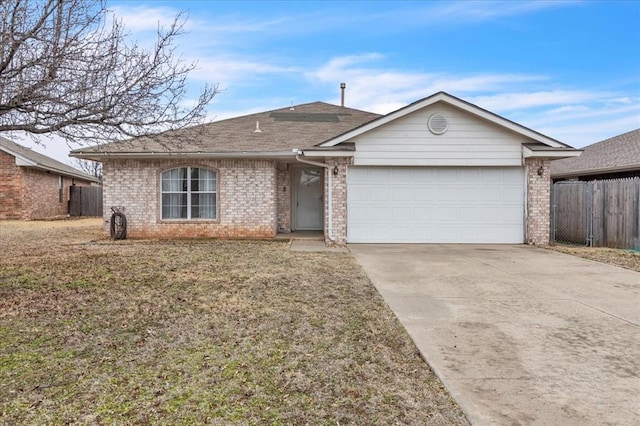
{"type": "Point", "coordinates": [336, 171]}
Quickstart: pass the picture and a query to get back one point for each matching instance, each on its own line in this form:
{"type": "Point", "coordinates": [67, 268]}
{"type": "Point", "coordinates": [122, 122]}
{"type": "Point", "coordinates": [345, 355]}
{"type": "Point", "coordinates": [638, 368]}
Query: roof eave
{"type": "Point", "coordinates": [554, 154]}
{"type": "Point", "coordinates": [65, 173]}
{"type": "Point", "coordinates": [327, 153]}
{"type": "Point", "coordinates": [99, 156]}
{"type": "Point", "coordinates": [22, 161]}
{"type": "Point", "coordinates": [592, 172]}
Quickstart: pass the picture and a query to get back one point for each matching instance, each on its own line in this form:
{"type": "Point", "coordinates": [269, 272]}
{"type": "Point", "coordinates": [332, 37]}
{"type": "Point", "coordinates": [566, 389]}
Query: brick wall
{"type": "Point", "coordinates": [30, 194]}
{"type": "Point", "coordinates": [41, 198]}
{"type": "Point", "coordinates": [10, 188]}
{"type": "Point", "coordinates": [538, 201]}
{"type": "Point", "coordinates": [283, 197]}
{"type": "Point", "coordinates": [339, 201]}
{"type": "Point", "coordinates": [246, 198]}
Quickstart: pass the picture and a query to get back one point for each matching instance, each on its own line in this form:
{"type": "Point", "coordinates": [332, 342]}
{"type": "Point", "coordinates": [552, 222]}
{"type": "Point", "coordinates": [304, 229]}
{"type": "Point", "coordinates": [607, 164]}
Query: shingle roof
{"type": "Point", "coordinates": [299, 126]}
{"type": "Point", "coordinates": [619, 153]}
{"type": "Point", "coordinates": [42, 161]}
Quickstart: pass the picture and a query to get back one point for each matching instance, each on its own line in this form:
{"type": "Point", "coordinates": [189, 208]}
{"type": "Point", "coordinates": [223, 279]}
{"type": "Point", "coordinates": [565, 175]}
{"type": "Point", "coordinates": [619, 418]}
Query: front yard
{"type": "Point", "coordinates": [624, 258]}
{"type": "Point", "coordinates": [183, 332]}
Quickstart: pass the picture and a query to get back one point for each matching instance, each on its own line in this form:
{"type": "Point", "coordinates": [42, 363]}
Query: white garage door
{"type": "Point", "coordinates": [435, 205]}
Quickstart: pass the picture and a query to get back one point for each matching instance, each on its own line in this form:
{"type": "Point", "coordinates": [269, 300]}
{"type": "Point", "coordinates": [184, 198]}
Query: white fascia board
{"type": "Point", "coordinates": [171, 155]}
{"type": "Point", "coordinates": [555, 154]}
{"type": "Point", "coordinates": [470, 108]}
{"type": "Point", "coordinates": [20, 160]}
{"type": "Point", "coordinates": [320, 153]}
{"type": "Point", "coordinates": [24, 162]}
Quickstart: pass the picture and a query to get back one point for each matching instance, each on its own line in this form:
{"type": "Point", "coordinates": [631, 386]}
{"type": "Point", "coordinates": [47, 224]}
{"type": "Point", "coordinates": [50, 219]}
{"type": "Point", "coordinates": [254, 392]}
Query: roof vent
{"type": "Point", "coordinates": [257, 130]}
{"type": "Point", "coordinates": [438, 124]}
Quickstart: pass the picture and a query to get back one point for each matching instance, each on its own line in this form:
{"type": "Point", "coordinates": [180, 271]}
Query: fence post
{"type": "Point", "coordinates": [636, 240]}
{"type": "Point", "coordinates": [589, 206]}
{"type": "Point", "coordinates": [554, 225]}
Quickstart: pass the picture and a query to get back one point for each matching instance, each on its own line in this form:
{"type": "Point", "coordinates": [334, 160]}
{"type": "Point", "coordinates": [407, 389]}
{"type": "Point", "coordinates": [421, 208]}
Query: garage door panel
{"type": "Point", "coordinates": [425, 193]}
{"type": "Point", "coordinates": [469, 213]}
{"type": "Point", "coordinates": [424, 215]}
{"type": "Point", "coordinates": [382, 177]}
{"type": "Point", "coordinates": [401, 175]}
{"type": "Point", "coordinates": [402, 214]}
{"type": "Point", "coordinates": [468, 194]}
{"type": "Point", "coordinates": [402, 193]}
{"type": "Point", "coordinates": [492, 195]}
{"type": "Point", "coordinates": [447, 174]}
{"type": "Point", "coordinates": [435, 204]}
{"type": "Point", "coordinates": [379, 214]}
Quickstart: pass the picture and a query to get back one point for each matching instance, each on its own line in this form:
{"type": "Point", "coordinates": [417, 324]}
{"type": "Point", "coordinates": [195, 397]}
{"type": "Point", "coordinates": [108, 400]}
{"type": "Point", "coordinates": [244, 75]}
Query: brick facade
{"type": "Point", "coordinates": [246, 198]}
{"type": "Point", "coordinates": [283, 197]}
{"type": "Point", "coordinates": [30, 194]}
{"type": "Point", "coordinates": [339, 200]}
{"type": "Point", "coordinates": [254, 199]}
{"type": "Point", "coordinates": [10, 188]}
{"type": "Point", "coordinates": [538, 201]}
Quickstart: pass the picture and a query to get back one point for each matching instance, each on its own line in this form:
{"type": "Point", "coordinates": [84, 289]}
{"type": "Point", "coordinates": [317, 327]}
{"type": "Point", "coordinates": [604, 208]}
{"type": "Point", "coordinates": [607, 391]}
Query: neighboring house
{"type": "Point", "coordinates": [617, 157]}
{"type": "Point", "coordinates": [440, 170]}
{"type": "Point", "coordinates": [34, 186]}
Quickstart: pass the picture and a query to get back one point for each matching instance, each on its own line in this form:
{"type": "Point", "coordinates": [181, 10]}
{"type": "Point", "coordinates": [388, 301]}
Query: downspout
{"type": "Point", "coordinates": [329, 195]}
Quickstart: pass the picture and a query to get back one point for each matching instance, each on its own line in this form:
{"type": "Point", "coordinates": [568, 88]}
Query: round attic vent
{"type": "Point", "coordinates": [438, 124]}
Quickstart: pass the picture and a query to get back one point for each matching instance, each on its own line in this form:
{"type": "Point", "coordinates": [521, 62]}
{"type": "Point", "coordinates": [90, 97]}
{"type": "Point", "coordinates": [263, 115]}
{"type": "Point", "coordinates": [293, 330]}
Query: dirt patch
{"type": "Point", "coordinates": [95, 331]}
{"type": "Point", "coordinates": [624, 258]}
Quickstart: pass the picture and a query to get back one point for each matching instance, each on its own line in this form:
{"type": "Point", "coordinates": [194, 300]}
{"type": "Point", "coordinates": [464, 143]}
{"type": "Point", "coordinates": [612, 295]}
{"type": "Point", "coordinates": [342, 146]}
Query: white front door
{"type": "Point", "coordinates": [308, 206]}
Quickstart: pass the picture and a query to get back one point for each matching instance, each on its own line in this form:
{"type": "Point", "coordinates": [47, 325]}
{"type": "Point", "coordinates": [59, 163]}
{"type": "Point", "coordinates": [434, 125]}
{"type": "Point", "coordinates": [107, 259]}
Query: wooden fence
{"type": "Point", "coordinates": [85, 201]}
{"type": "Point", "coordinates": [601, 213]}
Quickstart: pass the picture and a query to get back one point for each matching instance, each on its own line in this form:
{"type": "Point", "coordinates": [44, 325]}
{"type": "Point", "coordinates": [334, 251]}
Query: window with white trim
{"type": "Point", "coordinates": [188, 193]}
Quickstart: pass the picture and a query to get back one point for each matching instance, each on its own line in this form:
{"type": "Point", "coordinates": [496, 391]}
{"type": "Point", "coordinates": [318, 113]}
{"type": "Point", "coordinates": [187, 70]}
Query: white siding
{"type": "Point", "coordinates": [469, 141]}
{"type": "Point", "coordinates": [435, 205]}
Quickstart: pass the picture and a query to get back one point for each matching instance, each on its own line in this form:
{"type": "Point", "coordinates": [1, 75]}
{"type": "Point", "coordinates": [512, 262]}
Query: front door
{"type": "Point", "coordinates": [308, 206]}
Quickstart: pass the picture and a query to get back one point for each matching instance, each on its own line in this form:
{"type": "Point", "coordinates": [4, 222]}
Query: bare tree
{"type": "Point", "coordinates": [68, 67]}
{"type": "Point", "coordinates": [93, 168]}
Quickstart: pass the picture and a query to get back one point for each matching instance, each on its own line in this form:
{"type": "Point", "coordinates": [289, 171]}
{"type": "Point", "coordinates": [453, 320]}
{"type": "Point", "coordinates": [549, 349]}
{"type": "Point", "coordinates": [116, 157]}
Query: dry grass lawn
{"type": "Point", "coordinates": [624, 258]}
{"type": "Point", "coordinates": [184, 332]}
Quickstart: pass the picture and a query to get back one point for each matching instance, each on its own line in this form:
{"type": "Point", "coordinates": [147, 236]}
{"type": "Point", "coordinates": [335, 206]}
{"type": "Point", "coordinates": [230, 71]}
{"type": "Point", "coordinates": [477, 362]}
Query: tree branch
{"type": "Point", "coordinates": [65, 70]}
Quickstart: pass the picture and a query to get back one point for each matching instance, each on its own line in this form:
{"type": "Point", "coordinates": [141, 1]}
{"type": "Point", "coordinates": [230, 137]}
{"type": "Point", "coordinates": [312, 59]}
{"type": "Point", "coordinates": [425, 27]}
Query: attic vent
{"type": "Point", "coordinates": [438, 124]}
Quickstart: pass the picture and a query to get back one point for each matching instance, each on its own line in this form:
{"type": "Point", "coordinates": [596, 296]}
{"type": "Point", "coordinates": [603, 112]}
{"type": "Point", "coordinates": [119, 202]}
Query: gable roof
{"type": "Point", "coordinates": [275, 131]}
{"type": "Point", "coordinates": [475, 110]}
{"type": "Point", "coordinates": [26, 157]}
{"type": "Point", "coordinates": [617, 154]}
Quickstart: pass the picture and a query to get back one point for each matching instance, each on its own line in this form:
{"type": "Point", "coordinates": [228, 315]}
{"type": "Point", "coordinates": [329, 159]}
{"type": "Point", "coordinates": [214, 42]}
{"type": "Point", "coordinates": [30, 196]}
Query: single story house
{"type": "Point", "coordinates": [613, 158]}
{"type": "Point", "coordinates": [34, 186]}
{"type": "Point", "coordinates": [440, 170]}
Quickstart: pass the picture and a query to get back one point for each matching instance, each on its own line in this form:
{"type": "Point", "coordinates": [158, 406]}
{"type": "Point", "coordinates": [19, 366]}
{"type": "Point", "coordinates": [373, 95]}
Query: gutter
{"type": "Point", "coordinates": [199, 154]}
{"type": "Point", "coordinates": [330, 235]}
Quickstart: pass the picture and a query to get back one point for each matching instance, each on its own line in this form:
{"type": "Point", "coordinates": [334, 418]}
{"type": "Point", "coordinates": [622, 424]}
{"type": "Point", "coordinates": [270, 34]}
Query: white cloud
{"type": "Point", "coordinates": [481, 11]}
{"type": "Point", "coordinates": [139, 19]}
{"type": "Point", "coordinates": [521, 100]}
{"type": "Point", "coordinates": [378, 88]}
{"type": "Point", "coordinates": [569, 109]}
{"type": "Point", "coordinates": [228, 71]}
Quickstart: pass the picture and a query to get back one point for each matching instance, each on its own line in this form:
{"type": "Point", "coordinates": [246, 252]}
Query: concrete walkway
{"type": "Point", "coordinates": [518, 334]}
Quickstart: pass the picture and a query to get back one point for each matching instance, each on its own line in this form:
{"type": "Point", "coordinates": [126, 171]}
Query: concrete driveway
{"type": "Point", "coordinates": [518, 334]}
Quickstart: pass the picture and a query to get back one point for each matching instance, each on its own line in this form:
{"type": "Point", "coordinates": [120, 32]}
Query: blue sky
{"type": "Point", "coordinates": [568, 69]}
